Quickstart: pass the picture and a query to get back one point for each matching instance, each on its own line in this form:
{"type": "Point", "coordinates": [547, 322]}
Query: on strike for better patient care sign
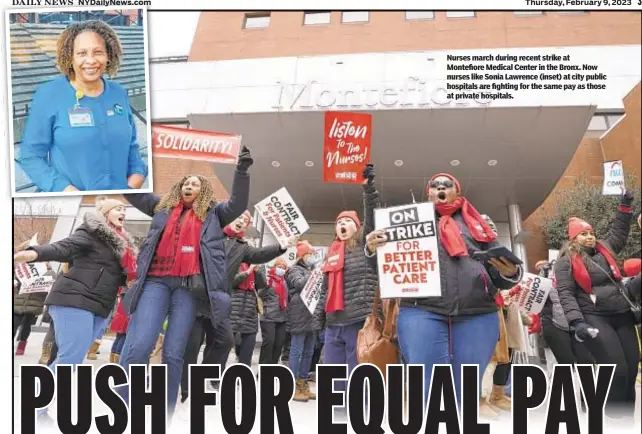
{"type": "Point", "coordinates": [409, 261]}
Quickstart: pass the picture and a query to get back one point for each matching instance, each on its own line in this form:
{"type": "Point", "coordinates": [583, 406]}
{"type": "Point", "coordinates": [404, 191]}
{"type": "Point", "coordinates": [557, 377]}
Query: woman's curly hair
{"type": "Point", "coordinates": [65, 50]}
{"type": "Point", "coordinates": [201, 204]}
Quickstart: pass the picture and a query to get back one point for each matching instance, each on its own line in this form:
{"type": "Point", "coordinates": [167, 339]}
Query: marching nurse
{"type": "Point", "coordinates": [81, 134]}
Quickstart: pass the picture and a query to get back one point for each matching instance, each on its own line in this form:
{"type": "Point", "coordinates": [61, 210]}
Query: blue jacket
{"type": "Point", "coordinates": [212, 245]}
{"type": "Point", "coordinates": [55, 155]}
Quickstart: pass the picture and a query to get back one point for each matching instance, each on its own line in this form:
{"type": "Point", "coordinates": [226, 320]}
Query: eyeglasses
{"type": "Point", "coordinates": [447, 183]}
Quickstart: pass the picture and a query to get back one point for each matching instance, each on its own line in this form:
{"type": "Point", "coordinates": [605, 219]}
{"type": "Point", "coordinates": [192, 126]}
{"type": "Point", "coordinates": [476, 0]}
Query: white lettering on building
{"type": "Point", "coordinates": [412, 92]}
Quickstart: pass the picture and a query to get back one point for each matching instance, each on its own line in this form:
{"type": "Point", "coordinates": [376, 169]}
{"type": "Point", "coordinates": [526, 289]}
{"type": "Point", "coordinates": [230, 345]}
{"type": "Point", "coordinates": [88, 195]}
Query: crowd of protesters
{"type": "Point", "coordinates": [196, 280]}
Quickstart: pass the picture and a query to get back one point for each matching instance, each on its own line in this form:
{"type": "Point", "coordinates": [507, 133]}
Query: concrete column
{"type": "Point", "coordinates": [515, 227]}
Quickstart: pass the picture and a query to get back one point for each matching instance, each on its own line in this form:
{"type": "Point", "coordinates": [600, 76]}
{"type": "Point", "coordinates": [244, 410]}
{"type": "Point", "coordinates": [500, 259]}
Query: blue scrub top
{"type": "Point", "coordinates": [54, 154]}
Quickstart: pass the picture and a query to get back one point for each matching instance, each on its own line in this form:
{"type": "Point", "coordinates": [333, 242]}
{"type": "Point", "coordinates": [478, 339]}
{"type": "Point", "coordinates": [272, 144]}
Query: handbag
{"type": "Point", "coordinates": [259, 303]}
{"type": "Point", "coordinates": [636, 310]}
{"type": "Point", "coordinates": [375, 343]}
{"type": "Point", "coordinates": [501, 355]}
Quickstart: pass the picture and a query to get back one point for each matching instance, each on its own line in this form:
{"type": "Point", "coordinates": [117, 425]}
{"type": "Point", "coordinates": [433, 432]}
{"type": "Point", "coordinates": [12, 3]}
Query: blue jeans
{"type": "Point", "coordinates": [76, 329]}
{"type": "Point", "coordinates": [340, 348]}
{"type": "Point", "coordinates": [103, 329]}
{"type": "Point", "coordinates": [119, 343]}
{"type": "Point", "coordinates": [301, 350]}
{"type": "Point", "coordinates": [429, 339]}
{"type": "Point", "coordinates": [160, 298]}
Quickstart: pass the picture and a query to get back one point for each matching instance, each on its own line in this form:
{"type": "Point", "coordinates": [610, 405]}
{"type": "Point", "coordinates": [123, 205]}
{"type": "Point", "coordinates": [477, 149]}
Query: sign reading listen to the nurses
{"type": "Point", "coordinates": [172, 142]}
{"type": "Point", "coordinates": [346, 146]}
{"type": "Point", "coordinates": [409, 261]}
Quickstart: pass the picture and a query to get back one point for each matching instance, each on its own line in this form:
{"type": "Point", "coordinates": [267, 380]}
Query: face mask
{"type": "Point", "coordinates": [311, 261]}
{"type": "Point", "coordinates": [280, 271]}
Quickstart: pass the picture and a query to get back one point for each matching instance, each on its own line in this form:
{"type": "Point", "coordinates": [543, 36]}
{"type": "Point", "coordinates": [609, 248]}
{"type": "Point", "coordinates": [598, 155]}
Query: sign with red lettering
{"type": "Point", "coordinates": [346, 146]}
{"type": "Point", "coordinates": [172, 142]}
{"type": "Point", "coordinates": [282, 216]}
{"type": "Point", "coordinates": [533, 293]}
{"type": "Point", "coordinates": [409, 261]}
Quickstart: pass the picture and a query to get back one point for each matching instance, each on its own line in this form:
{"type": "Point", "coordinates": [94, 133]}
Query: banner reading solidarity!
{"type": "Point", "coordinates": [346, 146]}
{"type": "Point", "coordinates": [534, 292]}
{"type": "Point", "coordinates": [282, 216]}
{"type": "Point", "coordinates": [409, 261]}
{"type": "Point", "coordinates": [172, 142]}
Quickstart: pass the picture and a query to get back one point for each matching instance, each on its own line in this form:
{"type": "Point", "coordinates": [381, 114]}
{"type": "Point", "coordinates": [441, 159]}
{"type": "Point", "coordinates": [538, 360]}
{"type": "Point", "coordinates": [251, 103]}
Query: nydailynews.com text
{"type": "Point", "coordinates": [271, 395]}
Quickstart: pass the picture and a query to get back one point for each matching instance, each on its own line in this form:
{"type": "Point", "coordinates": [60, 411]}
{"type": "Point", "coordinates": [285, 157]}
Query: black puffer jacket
{"type": "Point", "coordinates": [244, 314]}
{"type": "Point", "coordinates": [608, 300]}
{"type": "Point", "coordinates": [360, 275]}
{"type": "Point", "coordinates": [92, 282]}
{"type": "Point", "coordinates": [272, 311]}
{"type": "Point", "coordinates": [29, 304]}
{"type": "Point", "coordinates": [300, 320]}
{"type": "Point", "coordinates": [236, 252]}
{"type": "Point", "coordinates": [467, 286]}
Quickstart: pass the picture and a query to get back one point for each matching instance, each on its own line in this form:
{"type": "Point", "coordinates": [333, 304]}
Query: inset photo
{"type": "Point", "coordinates": [79, 95]}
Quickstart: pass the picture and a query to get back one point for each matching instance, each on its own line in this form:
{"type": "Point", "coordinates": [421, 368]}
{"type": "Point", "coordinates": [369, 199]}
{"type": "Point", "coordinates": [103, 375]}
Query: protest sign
{"type": "Point", "coordinates": [172, 142]}
{"type": "Point", "coordinates": [613, 178]}
{"type": "Point", "coordinates": [311, 292]}
{"type": "Point", "coordinates": [409, 261]}
{"type": "Point", "coordinates": [346, 146]}
{"type": "Point", "coordinates": [282, 216]}
{"type": "Point", "coordinates": [534, 292]}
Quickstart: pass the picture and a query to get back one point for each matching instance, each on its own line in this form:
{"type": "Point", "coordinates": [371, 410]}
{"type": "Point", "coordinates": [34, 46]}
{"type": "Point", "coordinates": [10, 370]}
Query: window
{"type": "Point", "coordinates": [604, 121]}
{"type": "Point", "coordinates": [613, 119]}
{"type": "Point", "coordinates": [420, 15]}
{"type": "Point", "coordinates": [460, 14]}
{"type": "Point", "coordinates": [312, 18]}
{"type": "Point", "coordinates": [355, 17]}
{"type": "Point", "coordinates": [256, 20]}
{"type": "Point", "coordinates": [528, 13]}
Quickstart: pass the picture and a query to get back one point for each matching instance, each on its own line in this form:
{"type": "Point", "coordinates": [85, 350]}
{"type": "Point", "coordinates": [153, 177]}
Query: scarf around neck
{"type": "Point", "coordinates": [334, 268]}
{"type": "Point", "coordinates": [449, 232]}
{"type": "Point", "coordinates": [278, 284]}
{"type": "Point", "coordinates": [250, 281]}
{"type": "Point", "coordinates": [581, 274]}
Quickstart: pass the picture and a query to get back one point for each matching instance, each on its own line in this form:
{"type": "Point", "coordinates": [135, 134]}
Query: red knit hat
{"type": "Point", "coordinates": [576, 226]}
{"type": "Point", "coordinates": [303, 247]}
{"type": "Point", "coordinates": [447, 175]}
{"type": "Point", "coordinates": [352, 215]}
{"type": "Point", "coordinates": [280, 262]}
{"type": "Point", "coordinates": [632, 267]}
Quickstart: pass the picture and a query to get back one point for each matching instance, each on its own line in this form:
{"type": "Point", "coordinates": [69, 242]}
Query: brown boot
{"type": "Point", "coordinates": [299, 393]}
{"type": "Point", "coordinates": [91, 355]}
{"type": "Point", "coordinates": [486, 412]}
{"type": "Point", "coordinates": [114, 358]}
{"type": "Point", "coordinates": [308, 392]}
{"type": "Point", "coordinates": [46, 353]}
{"type": "Point", "coordinates": [499, 399]}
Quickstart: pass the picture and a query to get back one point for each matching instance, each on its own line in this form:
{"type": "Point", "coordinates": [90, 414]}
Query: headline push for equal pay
{"type": "Point", "coordinates": [398, 401]}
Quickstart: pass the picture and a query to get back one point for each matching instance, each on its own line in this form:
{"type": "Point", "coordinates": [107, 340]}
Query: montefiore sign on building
{"type": "Point", "coordinates": [413, 92]}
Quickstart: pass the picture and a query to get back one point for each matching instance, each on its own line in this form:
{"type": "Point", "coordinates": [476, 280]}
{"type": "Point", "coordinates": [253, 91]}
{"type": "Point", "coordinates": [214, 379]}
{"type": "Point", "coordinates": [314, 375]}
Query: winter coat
{"type": "Point", "coordinates": [244, 315]}
{"type": "Point", "coordinates": [468, 287]}
{"type": "Point", "coordinates": [634, 288]}
{"type": "Point", "coordinates": [575, 301]}
{"type": "Point", "coordinates": [300, 320]}
{"type": "Point", "coordinates": [272, 311]}
{"type": "Point", "coordinates": [554, 310]}
{"type": "Point", "coordinates": [236, 252]}
{"type": "Point", "coordinates": [212, 248]}
{"type": "Point", "coordinates": [92, 282]}
{"type": "Point", "coordinates": [360, 275]}
{"type": "Point", "coordinates": [29, 304]}
{"type": "Point", "coordinates": [120, 320]}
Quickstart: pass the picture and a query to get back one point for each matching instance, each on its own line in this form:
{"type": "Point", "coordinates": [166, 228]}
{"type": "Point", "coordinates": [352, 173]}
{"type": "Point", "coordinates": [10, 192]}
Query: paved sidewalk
{"type": "Point", "coordinates": [304, 415]}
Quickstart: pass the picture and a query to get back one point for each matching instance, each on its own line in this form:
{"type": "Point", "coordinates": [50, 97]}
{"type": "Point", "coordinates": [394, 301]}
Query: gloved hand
{"type": "Point", "coordinates": [584, 331]}
{"type": "Point", "coordinates": [369, 173]}
{"type": "Point", "coordinates": [535, 326]}
{"type": "Point", "coordinates": [245, 160]}
{"type": "Point", "coordinates": [627, 198]}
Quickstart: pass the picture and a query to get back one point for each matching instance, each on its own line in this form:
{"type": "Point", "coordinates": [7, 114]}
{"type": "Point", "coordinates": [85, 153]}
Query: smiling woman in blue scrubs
{"type": "Point", "coordinates": [80, 134]}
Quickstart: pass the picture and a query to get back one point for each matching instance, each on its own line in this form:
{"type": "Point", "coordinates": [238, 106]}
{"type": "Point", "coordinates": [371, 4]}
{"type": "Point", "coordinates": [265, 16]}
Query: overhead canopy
{"type": "Point", "coordinates": [532, 148]}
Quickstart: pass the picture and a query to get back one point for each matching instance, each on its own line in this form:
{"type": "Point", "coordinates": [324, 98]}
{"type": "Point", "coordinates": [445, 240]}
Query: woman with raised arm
{"type": "Point", "coordinates": [183, 252]}
{"type": "Point", "coordinates": [597, 304]}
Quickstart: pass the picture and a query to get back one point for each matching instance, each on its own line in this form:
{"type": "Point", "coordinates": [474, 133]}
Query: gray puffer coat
{"type": "Point", "coordinates": [360, 275]}
{"type": "Point", "coordinates": [244, 314]}
{"type": "Point", "coordinates": [272, 311]}
{"type": "Point", "coordinates": [299, 317]}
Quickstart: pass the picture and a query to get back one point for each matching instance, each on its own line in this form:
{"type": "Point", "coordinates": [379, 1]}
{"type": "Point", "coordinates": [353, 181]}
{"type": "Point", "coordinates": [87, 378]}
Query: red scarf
{"type": "Point", "coordinates": [334, 268]}
{"type": "Point", "coordinates": [278, 283]}
{"type": "Point", "coordinates": [449, 232]}
{"type": "Point", "coordinates": [230, 233]}
{"type": "Point", "coordinates": [178, 253]}
{"type": "Point", "coordinates": [248, 283]}
{"type": "Point", "coordinates": [128, 261]}
{"type": "Point", "coordinates": [581, 274]}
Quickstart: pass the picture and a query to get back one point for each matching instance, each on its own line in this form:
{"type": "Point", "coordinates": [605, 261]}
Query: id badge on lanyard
{"type": "Point", "coordinates": [81, 117]}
